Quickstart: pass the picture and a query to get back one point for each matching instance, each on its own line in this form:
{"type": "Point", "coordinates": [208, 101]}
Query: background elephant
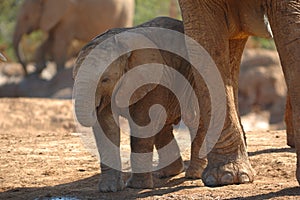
{"type": "Point", "coordinates": [261, 84]}
{"type": "Point", "coordinates": [86, 88]}
{"type": "Point", "coordinates": [66, 20]}
{"type": "Point", "coordinates": [222, 28]}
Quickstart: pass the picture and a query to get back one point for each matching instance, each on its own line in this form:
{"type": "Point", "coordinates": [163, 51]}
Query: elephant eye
{"type": "Point", "coordinates": [105, 80]}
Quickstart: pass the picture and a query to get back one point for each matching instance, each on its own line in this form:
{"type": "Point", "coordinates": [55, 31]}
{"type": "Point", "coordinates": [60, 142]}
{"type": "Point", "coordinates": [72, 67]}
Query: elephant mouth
{"type": "Point", "coordinates": [104, 101]}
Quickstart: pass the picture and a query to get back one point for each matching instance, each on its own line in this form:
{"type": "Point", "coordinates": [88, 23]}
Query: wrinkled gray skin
{"type": "Point", "coordinates": [222, 27]}
{"type": "Point", "coordinates": [141, 101]}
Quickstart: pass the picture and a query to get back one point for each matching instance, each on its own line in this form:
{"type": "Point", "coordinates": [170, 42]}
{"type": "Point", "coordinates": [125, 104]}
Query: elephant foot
{"type": "Point", "coordinates": [228, 172]}
{"type": "Point", "coordinates": [140, 181]}
{"type": "Point", "coordinates": [111, 181]}
{"type": "Point", "coordinates": [173, 169]}
{"type": "Point", "coordinates": [195, 169]}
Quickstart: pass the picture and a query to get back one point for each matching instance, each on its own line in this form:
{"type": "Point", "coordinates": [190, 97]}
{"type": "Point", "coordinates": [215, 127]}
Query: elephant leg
{"type": "Point", "coordinates": [289, 123]}
{"type": "Point", "coordinates": [236, 50]}
{"type": "Point", "coordinates": [284, 17]}
{"type": "Point", "coordinates": [60, 49]}
{"type": "Point", "coordinates": [108, 143]}
{"type": "Point", "coordinates": [170, 161]}
{"type": "Point", "coordinates": [228, 162]}
{"type": "Point", "coordinates": [141, 162]}
{"type": "Point", "coordinates": [40, 55]}
{"type": "Point", "coordinates": [197, 164]}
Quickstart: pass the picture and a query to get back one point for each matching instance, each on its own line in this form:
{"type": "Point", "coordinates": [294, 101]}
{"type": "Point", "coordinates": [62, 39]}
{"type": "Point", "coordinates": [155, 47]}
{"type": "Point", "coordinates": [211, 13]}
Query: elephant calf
{"type": "Point", "coordinates": [141, 102]}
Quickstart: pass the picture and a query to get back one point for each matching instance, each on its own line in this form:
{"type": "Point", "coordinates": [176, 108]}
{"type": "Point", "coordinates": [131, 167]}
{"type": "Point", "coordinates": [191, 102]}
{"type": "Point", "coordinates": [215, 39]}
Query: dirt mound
{"type": "Point", "coordinates": [42, 158]}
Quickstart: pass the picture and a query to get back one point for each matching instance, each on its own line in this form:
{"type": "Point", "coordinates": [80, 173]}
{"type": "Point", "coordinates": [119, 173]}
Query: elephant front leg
{"type": "Point", "coordinates": [284, 17]}
{"type": "Point", "coordinates": [141, 162]}
{"type": "Point", "coordinates": [107, 135]}
{"type": "Point", "coordinates": [228, 162]}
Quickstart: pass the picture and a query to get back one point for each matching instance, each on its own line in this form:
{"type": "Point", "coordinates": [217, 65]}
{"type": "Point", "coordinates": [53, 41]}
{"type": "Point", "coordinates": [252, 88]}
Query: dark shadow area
{"type": "Point", "coordinates": [294, 191]}
{"type": "Point", "coordinates": [275, 150]}
{"type": "Point", "coordinates": [59, 86]}
{"type": "Point", "coordinates": [88, 189]}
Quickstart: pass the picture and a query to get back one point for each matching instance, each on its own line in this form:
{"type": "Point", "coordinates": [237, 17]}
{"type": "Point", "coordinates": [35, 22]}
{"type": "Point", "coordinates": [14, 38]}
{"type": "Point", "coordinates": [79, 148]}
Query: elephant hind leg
{"type": "Point", "coordinates": [197, 164]}
{"type": "Point", "coordinates": [60, 48]}
{"type": "Point", "coordinates": [40, 55]}
{"type": "Point", "coordinates": [170, 161]}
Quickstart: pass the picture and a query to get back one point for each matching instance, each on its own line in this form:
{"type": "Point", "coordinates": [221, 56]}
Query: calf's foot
{"type": "Point", "coordinates": [196, 168]}
{"type": "Point", "coordinates": [140, 181]}
{"type": "Point", "coordinates": [173, 169]}
{"type": "Point", "coordinates": [111, 181]}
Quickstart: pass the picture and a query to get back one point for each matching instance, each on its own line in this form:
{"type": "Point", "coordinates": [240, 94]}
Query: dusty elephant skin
{"type": "Point", "coordinates": [65, 21]}
{"type": "Point", "coordinates": [222, 28]}
{"type": "Point", "coordinates": [140, 103]}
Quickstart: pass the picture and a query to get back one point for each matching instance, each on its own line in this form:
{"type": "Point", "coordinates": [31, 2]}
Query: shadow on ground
{"type": "Point", "coordinates": [273, 150]}
{"type": "Point", "coordinates": [294, 191]}
{"type": "Point", "coordinates": [87, 189]}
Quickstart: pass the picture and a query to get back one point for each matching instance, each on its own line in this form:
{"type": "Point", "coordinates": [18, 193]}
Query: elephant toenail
{"type": "Point", "coordinates": [210, 181]}
{"type": "Point", "coordinates": [244, 178]}
{"type": "Point", "coordinates": [227, 179]}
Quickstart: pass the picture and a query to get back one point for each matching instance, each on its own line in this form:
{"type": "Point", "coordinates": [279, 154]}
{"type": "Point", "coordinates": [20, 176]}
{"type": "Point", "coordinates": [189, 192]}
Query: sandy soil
{"type": "Point", "coordinates": [42, 157]}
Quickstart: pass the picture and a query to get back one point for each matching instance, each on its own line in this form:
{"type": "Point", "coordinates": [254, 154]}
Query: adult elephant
{"type": "Point", "coordinates": [222, 28]}
{"type": "Point", "coordinates": [66, 20]}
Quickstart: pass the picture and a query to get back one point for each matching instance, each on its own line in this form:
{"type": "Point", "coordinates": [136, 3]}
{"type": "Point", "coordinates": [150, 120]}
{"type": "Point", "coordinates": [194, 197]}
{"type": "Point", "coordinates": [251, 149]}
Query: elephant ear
{"type": "Point", "coordinates": [53, 11]}
{"type": "Point", "coordinates": [141, 76]}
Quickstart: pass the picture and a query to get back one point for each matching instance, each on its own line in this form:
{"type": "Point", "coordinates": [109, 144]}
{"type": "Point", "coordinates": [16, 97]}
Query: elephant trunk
{"type": "Point", "coordinates": [2, 58]}
{"type": "Point", "coordinates": [16, 44]}
{"type": "Point", "coordinates": [85, 86]}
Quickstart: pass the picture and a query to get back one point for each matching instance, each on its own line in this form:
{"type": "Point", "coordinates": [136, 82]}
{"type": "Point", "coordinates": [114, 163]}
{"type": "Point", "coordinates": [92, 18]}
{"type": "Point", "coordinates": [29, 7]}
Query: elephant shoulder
{"type": "Point", "coordinates": [93, 44]}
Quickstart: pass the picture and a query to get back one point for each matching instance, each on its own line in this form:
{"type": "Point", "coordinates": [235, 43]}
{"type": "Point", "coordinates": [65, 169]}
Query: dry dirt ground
{"type": "Point", "coordinates": [42, 157]}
